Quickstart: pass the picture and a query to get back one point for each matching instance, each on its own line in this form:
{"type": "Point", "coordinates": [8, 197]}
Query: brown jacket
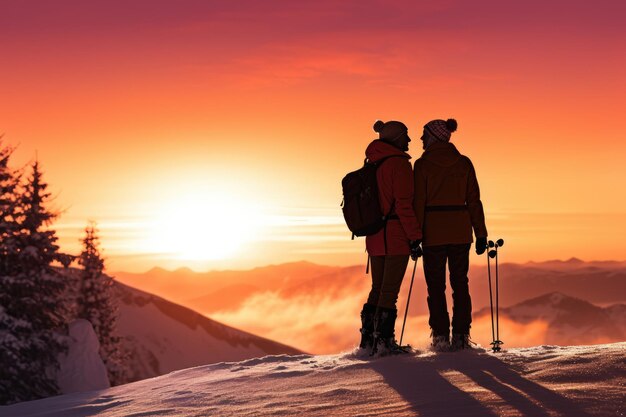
{"type": "Point", "coordinates": [444, 177]}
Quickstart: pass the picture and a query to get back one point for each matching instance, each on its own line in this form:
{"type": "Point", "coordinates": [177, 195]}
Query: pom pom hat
{"type": "Point", "coordinates": [441, 129]}
{"type": "Point", "coordinates": [390, 131]}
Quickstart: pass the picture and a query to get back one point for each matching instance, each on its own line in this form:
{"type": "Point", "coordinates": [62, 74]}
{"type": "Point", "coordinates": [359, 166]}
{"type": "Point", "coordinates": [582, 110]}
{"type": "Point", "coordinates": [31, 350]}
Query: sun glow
{"type": "Point", "coordinates": [206, 227]}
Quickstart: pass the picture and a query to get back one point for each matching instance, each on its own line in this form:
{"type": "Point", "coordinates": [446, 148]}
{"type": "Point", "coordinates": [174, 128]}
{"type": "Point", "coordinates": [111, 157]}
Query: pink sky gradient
{"type": "Point", "coordinates": [274, 101]}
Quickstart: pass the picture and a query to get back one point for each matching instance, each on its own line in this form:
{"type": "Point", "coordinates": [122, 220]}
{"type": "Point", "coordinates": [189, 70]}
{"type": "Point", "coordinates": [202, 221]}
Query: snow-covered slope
{"type": "Point", "coordinates": [163, 336]}
{"type": "Point", "coordinates": [540, 381]}
{"type": "Point", "coordinates": [569, 320]}
{"type": "Point", "coordinates": [81, 367]}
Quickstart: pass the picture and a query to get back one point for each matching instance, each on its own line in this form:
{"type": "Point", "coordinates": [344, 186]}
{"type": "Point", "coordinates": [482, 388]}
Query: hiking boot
{"type": "Point", "coordinates": [440, 343]}
{"type": "Point", "coordinates": [461, 341]}
{"type": "Point", "coordinates": [384, 333]}
{"type": "Point", "coordinates": [391, 347]}
{"type": "Point", "coordinates": [367, 326]}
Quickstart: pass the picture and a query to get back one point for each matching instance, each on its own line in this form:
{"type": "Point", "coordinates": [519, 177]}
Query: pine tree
{"type": "Point", "coordinates": [96, 303]}
{"type": "Point", "coordinates": [9, 181]}
{"type": "Point", "coordinates": [32, 299]}
{"type": "Point", "coordinates": [10, 326]}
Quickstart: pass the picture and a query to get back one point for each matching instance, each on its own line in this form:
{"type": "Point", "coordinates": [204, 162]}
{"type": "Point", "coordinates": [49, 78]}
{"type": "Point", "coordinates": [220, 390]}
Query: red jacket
{"type": "Point", "coordinates": [395, 185]}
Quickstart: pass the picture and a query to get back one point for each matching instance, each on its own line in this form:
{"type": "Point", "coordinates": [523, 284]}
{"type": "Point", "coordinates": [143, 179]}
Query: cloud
{"type": "Point", "coordinates": [324, 324]}
{"type": "Point", "coordinates": [513, 334]}
{"type": "Point", "coordinates": [315, 324]}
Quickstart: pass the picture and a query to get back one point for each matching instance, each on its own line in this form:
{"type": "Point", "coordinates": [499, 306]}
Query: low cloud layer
{"type": "Point", "coordinates": [322, 325]}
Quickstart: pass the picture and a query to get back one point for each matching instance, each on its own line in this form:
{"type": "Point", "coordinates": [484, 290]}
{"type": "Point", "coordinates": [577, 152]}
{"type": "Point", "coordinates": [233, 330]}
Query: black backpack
{"type": "Point", "coordinates": [361, 208]}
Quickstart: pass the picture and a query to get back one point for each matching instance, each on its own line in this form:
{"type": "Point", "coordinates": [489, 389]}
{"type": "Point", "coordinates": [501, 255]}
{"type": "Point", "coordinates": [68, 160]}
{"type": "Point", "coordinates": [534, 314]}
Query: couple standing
{"type": "Point", "coordinates": [433, 209]}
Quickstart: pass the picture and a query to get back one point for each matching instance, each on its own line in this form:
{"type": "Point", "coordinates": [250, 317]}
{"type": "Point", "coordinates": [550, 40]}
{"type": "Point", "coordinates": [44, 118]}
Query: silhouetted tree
{"type": "Point", "coordinates": [9, 181]}
{"type": "Point", "coordinates": [10, 325]}
{"type": "Point", "coordinates": [96, 302]}
{"type": "Point", "coordinates": [33, 309]}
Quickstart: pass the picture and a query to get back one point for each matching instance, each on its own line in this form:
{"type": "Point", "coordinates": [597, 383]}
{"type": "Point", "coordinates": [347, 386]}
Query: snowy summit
{"type": "Point", "coordinates": [539, 381]}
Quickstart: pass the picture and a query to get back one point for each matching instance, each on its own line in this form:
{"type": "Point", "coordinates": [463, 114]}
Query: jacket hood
{"type": "Point", "coordinates": [378, 150]}
{"type": "Point", "coordinates": [442, 154]}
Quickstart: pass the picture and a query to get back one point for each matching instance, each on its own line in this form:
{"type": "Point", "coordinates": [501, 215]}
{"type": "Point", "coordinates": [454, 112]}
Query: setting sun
{"type": "Point", "coordinates": [203, 227]}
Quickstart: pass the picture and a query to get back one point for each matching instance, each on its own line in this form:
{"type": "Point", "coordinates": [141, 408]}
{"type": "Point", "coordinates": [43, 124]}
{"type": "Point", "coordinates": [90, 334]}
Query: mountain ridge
{"type": "Point", "coordinates": [163, 336]}
{"type": "Point", "coordinates": [569, 319]}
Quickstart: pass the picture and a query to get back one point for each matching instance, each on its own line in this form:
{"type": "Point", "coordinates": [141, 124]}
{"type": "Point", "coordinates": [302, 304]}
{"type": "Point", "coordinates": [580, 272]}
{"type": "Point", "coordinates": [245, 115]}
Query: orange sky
{"type": "Point", "coordinates": [252, 112]}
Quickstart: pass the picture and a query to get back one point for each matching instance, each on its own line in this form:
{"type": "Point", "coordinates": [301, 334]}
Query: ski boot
{"type": "Point", "coordinates": [384, 334]}
{"type": "Point", "coordinates": [461, 341]}
{"type": "Point", "coordinates": [440, 343]}
{"type": "Point", "coordinates": [367, 326]}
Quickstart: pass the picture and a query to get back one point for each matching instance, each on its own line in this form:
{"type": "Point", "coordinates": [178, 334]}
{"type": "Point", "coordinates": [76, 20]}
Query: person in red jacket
{"type": "Point", "coordinates": [447, 205]}
{"type": "Point", "coordinates": [390, 248]}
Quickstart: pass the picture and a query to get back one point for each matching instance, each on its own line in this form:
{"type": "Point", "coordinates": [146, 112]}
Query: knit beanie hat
{"type": "Point", "coordinates": [390, 131]}
{"type": "Point", "coordinates": [441, 129]}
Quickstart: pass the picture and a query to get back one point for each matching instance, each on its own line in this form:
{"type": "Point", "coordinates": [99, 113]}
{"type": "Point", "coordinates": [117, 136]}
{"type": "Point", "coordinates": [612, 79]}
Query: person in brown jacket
{"type": "Point", "coordinates": [447, 205]}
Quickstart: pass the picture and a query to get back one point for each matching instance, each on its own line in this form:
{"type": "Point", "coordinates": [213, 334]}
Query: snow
{"type": "Point", "coordinates": [174, 345]}
{"type": "Point", "coordinates": [162, 336]}
{"type": "Point", "coordinates": [537, 381]}
{"type": "Point", "coordinates": [82, 369]}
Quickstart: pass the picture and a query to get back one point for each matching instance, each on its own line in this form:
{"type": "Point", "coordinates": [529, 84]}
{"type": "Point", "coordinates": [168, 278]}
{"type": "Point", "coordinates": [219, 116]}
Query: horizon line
{"type": "Point", "coordinates": [571, 260]}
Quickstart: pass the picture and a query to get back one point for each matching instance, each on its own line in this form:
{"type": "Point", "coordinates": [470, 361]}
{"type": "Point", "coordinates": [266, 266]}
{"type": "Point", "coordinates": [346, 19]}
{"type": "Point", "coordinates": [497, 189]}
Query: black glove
{"type": "Point", "coordinates": [481, 245]}
{"type": "Point", "coordinates": [416, 250]}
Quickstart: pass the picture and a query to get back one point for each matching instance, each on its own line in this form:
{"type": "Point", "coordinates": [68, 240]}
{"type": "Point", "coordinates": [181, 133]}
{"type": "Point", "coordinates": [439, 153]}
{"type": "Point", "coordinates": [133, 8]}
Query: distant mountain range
{"type": "Point", "coordinates": [162, 336]}
{"type": "Point", "coordinates": [597, 282]}
{"type": "Point", "coordinates": [569, 320]}
{"type": "Point", "coordinates": [602, 283]}
{"type": "Point", "coordinates": [573, 263]}
{"type": "Point", "coordinates": [224, 289]}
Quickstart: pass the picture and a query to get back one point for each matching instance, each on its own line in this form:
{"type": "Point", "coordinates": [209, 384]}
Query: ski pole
{"type": "Point", "coordinates": [493, 334]}
{"type": "Point", "coordinates": [499, 243]}
{"type": "Point", "coordinates": [407, 302]}
{"type": "Point", "coordinates": [376, 333]}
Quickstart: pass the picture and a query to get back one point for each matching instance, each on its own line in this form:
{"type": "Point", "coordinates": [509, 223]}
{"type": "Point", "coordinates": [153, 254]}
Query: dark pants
{"type": "Point", "coordinates": [435, 258]}
{"type": "Point", "coordinates": [387, 274]}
